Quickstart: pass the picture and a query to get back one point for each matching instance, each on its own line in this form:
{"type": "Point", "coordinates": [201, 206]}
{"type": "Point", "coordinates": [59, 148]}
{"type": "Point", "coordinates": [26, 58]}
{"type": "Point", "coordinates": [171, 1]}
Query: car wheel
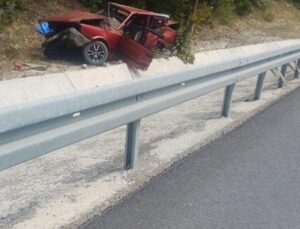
{"type": "Point", "coordinates": [95, 53]}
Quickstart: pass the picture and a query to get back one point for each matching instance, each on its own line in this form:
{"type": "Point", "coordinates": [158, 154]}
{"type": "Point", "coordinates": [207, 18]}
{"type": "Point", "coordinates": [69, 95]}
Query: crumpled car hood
{"type": "Point", "coordinates": [74, 16]}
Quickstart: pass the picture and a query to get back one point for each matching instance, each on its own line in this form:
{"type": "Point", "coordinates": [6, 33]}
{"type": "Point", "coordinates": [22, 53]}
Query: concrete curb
{"type": "Point", "coordinates": [24, 90]}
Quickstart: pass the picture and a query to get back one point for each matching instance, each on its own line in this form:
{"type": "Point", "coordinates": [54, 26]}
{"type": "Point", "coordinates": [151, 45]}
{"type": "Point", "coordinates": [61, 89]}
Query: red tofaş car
{"type": "Point", "coordinates": [120, 31]}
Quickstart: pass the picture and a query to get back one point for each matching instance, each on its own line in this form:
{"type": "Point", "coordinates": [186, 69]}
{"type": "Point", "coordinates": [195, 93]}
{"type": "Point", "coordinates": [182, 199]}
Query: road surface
{"type": "Point", "coordinates": [250, 178]}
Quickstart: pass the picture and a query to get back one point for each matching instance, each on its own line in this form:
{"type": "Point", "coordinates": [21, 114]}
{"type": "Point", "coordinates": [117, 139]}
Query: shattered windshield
{"type": "Point", "coordinates": [116, 16]}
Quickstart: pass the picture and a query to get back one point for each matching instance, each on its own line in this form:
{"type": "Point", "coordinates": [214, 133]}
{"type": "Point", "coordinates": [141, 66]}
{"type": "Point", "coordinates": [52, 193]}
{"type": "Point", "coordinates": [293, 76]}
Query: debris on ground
{"type": "Point", "coordinates": [28, 66]}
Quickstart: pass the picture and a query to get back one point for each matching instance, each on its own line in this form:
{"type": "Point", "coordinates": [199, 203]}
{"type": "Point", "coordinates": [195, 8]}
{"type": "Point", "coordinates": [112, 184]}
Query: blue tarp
{"type": "Point", "coordinates": [44, 28]}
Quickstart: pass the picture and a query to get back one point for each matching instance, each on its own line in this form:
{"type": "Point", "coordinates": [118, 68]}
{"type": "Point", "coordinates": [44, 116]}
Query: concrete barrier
{"type": "Point", "coordinates": [17, 91]}
{"type": "Point", "coordinates": [24, 90]}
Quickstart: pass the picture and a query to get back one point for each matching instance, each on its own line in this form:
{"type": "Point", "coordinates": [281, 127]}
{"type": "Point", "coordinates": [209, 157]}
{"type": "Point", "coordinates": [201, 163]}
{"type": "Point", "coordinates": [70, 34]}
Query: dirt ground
{"type": "Point", "coordinates": [21, 55]}
{"type": "Point", "coordinates": [20, 44]}
{"type": "Point", "coordinates": [253, 29]}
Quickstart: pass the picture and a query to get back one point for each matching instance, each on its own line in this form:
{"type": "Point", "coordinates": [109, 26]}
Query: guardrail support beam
{"type": "Point", "coordinates": [281, 81]}
{"type": "Point", "coordinates": [259, 85]}
{"type": "Point", "coordinates": [227, 100]}
{"type": "Point", "coordinates": [132, 144]}
{"type": "Point", "coordinates": [297, 70]}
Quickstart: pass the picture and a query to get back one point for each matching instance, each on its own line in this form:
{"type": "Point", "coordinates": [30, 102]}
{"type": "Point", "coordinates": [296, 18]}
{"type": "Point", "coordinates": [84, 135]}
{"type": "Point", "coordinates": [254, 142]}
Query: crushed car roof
{"type": "Point", "coordinates": [131, 9]}
{"type": "Point", "coordinates": [74, 16]}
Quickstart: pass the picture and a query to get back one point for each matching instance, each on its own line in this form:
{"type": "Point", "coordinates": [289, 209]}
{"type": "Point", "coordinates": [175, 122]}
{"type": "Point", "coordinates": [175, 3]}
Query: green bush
{"type": "Point", "coordinates": [183, 47]}
{"type": "Point", "coordinates": [12, 4]}
{"type": "Point", "coordinates": [260, 4]}
{"type": "Point", "coordinates": [9, 11]}
{"type": "Point", "coordinates": [94, 5]}
{"type": "Point", "coordinates": [243, 7]}
{"type": "Point", "coordinates": [202, 14]}
{"type": "Point", "coordinates": [224, 12]}
{"type": "Point", "coordinates": [8, 16]}
{"type": "Point", "coordinates": [269, 15]}
{"type": "Point", "coordinates": [297, 3]}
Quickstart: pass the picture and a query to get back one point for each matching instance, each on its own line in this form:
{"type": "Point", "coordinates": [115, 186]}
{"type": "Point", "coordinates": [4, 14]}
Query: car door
{"type": "Point", "coordinates": [133, 47]}
{"type": "Point", "coordinates": [134, 53]}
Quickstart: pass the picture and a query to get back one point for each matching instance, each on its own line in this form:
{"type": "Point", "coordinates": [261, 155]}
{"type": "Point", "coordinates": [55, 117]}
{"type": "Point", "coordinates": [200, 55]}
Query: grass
{"type": "Point", "coordinates": [19, 42]}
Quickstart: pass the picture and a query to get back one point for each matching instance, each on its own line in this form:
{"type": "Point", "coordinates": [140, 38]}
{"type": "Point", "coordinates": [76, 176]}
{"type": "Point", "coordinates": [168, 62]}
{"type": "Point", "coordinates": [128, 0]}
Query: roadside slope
{"type": "Point", "coordinates": [20, 44]}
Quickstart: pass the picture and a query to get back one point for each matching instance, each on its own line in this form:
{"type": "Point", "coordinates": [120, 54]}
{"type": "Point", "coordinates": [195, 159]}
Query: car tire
{"type": "Point", "coordinates": [95, 53]}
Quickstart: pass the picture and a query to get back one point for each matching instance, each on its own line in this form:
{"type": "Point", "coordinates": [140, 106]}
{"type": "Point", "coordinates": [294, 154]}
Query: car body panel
{"type": "Point", "coordinates": [169, 36]}
{"type": "Point", "coordinates": [134, 54]}
{"type": "Point", "coordinates": [109, 36]}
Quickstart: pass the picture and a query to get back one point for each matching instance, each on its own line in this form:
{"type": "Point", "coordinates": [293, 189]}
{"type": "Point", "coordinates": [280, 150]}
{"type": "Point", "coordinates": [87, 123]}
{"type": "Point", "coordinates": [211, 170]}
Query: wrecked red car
{"type": "Point", "coordinates": [119, 32]}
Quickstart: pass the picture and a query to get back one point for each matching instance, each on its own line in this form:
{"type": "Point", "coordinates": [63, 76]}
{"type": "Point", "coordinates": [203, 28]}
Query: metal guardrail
{"type": "Point", "coordinates": [31, 130]}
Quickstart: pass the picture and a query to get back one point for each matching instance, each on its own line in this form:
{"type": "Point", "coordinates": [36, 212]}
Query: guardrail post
{"type": "Point", "coordinates": [132, 143]}
{"type": "Point", "coordinates": [227, 100]}
{"type": "Point", "coordinates": [283, 73]}
{"type": "Point", "coordinates": [259, 85]}
{"type": "Point", "coordinates": [297, 72]}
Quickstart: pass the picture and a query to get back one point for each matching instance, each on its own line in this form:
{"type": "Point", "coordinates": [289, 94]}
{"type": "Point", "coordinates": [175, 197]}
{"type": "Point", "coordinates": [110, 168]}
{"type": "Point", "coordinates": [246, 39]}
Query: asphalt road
{"type": "Point", "coordinates": [250, 178]}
